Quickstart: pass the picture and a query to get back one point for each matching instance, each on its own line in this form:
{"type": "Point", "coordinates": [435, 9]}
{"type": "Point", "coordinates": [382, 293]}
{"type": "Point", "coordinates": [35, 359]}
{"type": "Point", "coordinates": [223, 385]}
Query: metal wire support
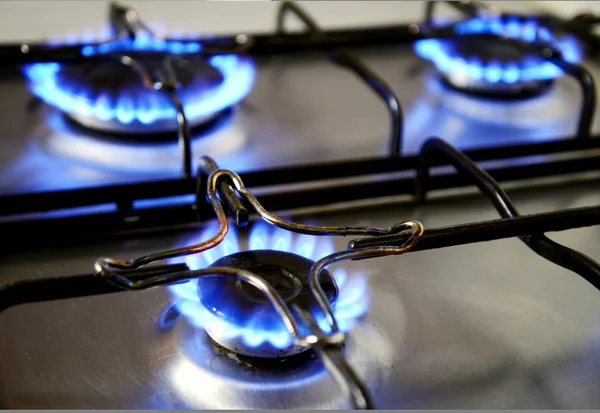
{"type": "Point", "coordinates": [334, 361]}
{"type": "Point", "coordinates": [108, 267]}
{"type": "Point", "coordinates": [415, 231]}
{"type": "Point", "coordinates": [126, 22]}
{"type": "Point", "coordinates": [247, 196]}
{"type": "Point", "coordinates": [234, 205]}
{"type": "Point", "coordinates": [540, 243]}
{"type": "Point", "coordinates": [338, 367]}
{"type": "Point", "coordinates": [492, 230]}
{"type": "Point", "coordinates": [578, 72]}
{"type": "Point", "coordinates": [332, 357]}
{"type": "Point", "coordinates": [291, 324]}
{"type": "Point", "coordinates": [326, 343]}
{"type": "Point", "coordinates": [111, 269]}
{"type": "Point", "coordinates": [469, 9]}
{"type": "Point", "coordinates": [170, 84]}
{"type": "Point", "coordinates": [37, 290]}
{"type": "Point", "coordinates": [165, 80]}
{"type": "Point", "coordinates": [348, 61]}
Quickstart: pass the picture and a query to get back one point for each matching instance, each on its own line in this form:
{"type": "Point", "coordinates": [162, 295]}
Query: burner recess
{"type": "Point", "coordinates": [104, 94]}
{"type": "Point", "coordinates": [491, 66]}
{"type": "Point", "coordinates": [243, 305]}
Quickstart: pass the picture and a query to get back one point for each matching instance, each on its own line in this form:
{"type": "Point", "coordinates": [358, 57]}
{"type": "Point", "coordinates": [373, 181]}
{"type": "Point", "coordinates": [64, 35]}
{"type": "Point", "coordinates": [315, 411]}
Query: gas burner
{"type": "Point", "coordinates": [106, 92]}
{"type": "Point", "coordinates": [238, 318]}
{"type": "Point", "coordinates": [493, 68]}
{"type": "Point", "coordinates": [54, 135]}
{"type": "Point", "coordinates": [240, 304]}
{"type": "Point", "coordinates": [112, 81]}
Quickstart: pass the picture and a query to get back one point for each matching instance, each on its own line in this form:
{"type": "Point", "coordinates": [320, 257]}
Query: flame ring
{"type": "Point", "coordinates": [351, 304]}
{"type": "Point", "coordinates": [532, 68]}
{"type": "Point", "coordinates": [238, 74]}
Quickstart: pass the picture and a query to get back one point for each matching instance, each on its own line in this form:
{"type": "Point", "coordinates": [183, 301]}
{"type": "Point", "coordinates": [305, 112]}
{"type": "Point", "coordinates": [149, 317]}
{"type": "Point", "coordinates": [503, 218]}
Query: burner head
{"type": "Point", "coordinates": [105, 94]}
{"type": "Point", "coordinates": [493, 67]}
{"type": "Point", "coordinates": [243, 306]}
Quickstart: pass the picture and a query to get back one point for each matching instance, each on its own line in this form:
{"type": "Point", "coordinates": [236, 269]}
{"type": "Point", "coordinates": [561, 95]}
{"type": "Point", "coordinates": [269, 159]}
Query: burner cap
{"type": "Point", "coordinates": [493, 67]}
{"type": "Point", "coordinates": [242, 306]}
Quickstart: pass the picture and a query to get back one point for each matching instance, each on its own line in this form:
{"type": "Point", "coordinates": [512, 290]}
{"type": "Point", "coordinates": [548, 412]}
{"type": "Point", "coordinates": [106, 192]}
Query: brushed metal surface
{"type": "Point", "coordinates": [302, 109]}
{"type": "Point", "coordinates": [488, 325]}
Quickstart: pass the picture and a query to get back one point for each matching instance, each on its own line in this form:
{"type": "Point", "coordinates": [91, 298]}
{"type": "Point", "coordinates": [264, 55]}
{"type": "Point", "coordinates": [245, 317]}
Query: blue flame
{"type": "Point", "coordinates": [351, 304]}
{"type": "Point", "coordinates": [449, 61]}
{"type": "Point", "coordinates": [238, 78]}
{"type": "Point", "coordinates": [142, 42]}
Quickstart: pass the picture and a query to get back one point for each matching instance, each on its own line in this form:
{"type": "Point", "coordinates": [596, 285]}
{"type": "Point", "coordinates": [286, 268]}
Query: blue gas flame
{"type": "Point", "coordinates": [351, 304]}
{"type": "Point", "coordinates": [147, 108]}
{"type": "Point", "coordinates": [442, 53]}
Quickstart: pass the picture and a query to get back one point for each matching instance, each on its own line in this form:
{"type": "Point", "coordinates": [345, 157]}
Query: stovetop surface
{"type": "Point", "coordinates": [302, 109]}
{"type": "Point", "coordinates": [488, 325]}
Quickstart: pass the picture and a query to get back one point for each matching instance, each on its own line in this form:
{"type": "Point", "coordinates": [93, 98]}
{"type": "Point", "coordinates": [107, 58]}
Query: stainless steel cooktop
{"type": "Point", "coordinates": [303, 109]}
{"type": "Point", "coordinates": [487, 325]}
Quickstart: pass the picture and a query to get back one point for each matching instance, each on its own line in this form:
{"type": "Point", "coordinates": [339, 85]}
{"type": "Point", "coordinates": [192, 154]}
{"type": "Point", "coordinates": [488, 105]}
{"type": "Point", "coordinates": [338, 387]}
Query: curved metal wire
{"type": "Point", "coordinates": [346, 60]}
{"type": "Point", "coordinates": [273, 296]}
{"type": "Point", "coordinates": [236, 209]}
{"type": "Point", "coordinates": [287, 8]}
{"type": "Point", "coordinates": [334, 361]}
{"type": "Point", "coordinates": [563, 256]}
{"type": "Point", "coordinates": [125, 21]}
{"type": "Point", "coordinates": [235, 179]}
{"type": "Point", "coordinates": [165, 80]}
{"type": "Point", "coordinates": [468, 8]}
{"type": "Point", "coordinates": [325, 343]}
{"type": "Point", "coordinates": [414, 227]}
{"type": "Point", "coordinates": [416, 231]}
{"type": "Point", "coordinates": [106, 267]}
{"type": "Point", "coordinates": [139, 69]}
{"type": "Point", "coordinates": [170, 84]}
{"type": "Point", "coordinates": [332, 357]}
{"type": "Point", "coordinates": [338, 367]}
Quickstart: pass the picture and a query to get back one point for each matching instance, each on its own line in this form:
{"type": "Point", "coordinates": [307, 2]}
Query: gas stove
{"type": "Point", "coordinates": [304, 205]}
